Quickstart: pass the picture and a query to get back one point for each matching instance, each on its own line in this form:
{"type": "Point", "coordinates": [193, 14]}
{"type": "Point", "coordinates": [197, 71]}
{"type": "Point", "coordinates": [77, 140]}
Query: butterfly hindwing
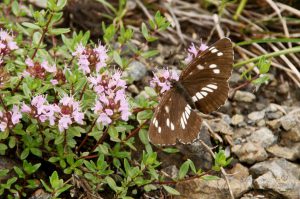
{"type": "Point", "coordinates": [173, 121]}
{"type": "Point", "coordinates": [206, 77]}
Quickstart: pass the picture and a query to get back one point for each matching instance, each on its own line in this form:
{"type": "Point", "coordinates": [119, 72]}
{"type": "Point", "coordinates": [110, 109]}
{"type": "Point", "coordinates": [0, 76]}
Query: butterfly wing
{"type": "Point", "coordinates": [206, 77]}
{"type": "Point", "coordinates": [173, 121]}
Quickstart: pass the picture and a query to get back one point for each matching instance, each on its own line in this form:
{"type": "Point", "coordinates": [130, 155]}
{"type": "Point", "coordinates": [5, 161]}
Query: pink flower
{"type": "Point", "coordinates": [162, 80]}
{"type": "Point", "coordinates": [39, 70]}
{"type": "Point", "coordinates": [10, 118]}
{"type": "Point", "coordinates": [15, 115]}
{"type": "Point", "coordinates": [194, 51]}
{"type": "Point", "coordinates": [64, 123]}
{"type": "Point", "coordinates": [91, 59]}
{"type": "Point", "coordinates": [7, 44]}
{"type": "Point", "coordinates": [111, 102]}
{"type": "Point", "coordinates": [41, 109]}
{"type": "Point", "coordinates": [70, 112]}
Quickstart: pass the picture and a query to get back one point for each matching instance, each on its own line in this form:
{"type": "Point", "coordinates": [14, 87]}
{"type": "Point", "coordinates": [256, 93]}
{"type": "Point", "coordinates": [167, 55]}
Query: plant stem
{"type": "Point", "coordinates": [101, 140]}
{"type": "Point", "coordinates": [273, 54]}
{"type": "Point", "coordinates": [86, 136]}
{"type": "Point", "coordinates": [135, 131]}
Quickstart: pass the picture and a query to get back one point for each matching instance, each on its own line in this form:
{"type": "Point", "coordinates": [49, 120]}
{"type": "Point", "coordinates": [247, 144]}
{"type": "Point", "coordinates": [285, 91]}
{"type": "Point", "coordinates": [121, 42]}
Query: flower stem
{"type": "Point", "coordinates": [86, 136]}
{"type": "Point", "coordinates": [101, 140]}
{"type": "Point", "coordinates": [135, 131]}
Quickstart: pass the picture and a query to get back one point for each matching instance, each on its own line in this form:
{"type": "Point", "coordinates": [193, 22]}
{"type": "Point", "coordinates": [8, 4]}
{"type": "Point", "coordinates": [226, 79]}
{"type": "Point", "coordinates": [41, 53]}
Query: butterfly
{"type": "Point", "coordinates": [202, 86]}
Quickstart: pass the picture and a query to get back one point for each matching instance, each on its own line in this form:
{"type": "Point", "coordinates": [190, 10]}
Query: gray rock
{"type": "Point", "coordinates": [136, 70]}
{"type": "Point", "coordinates": [279, 176]}
{"type": "Point", "coordinates": [256, 115]}
{"type": "Point", "coordinates": [237, 119]}
{"type": "Point", "coordinates": [217, 189]}
{"type": "Point", "coordinates": [263, 137]}
{"type": "Point", "coordinates": [243, 132]}
{"type": "Point", "coordinates": [288, 122]}
{"type": "Point", "coordinates": [243, 96]}
{"type": "Point", "coordinates": [250, 152]}
{"type": "Point", "coordinates": [291, 152]}
{"type": "Point", "coordinates": [274, 115]}
{"type": "Point", "coordinates": [293, 134]}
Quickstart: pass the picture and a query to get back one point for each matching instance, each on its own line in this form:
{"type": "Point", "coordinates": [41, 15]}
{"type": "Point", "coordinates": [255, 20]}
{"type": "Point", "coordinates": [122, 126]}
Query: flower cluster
{"type": "Point", "coordinates": [111, 100]}
{"type": "Point", "coordinates": [193, 51]}
{"type": "Point", "coordinates": [65, 113]}
{"type": "Point", "coordinates": [89, 59]}
{"type": "Point", "coordinates": [162, 80]}
{"type": "Point", "coordinates": [10, 118]}
{"type": "Point", "coordinates": [39, 70]}
{"type": "Point", "coordinates": [7, 44]}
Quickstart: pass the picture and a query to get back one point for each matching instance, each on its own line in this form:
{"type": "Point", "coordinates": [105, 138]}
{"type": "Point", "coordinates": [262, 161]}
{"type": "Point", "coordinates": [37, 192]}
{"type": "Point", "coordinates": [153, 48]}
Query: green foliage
{"type": "Point", "coordinates": [107, 157]}
{"type": "Point", "coordinates": [221, 160]}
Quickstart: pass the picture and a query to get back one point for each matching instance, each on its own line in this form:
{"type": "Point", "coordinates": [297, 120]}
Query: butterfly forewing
{"type": "Point", "coordinates": [206, 77]}
{"type": "Point", "coordinates": [174, 120]}
{"type": "Point", "coordinates": [204, 82]}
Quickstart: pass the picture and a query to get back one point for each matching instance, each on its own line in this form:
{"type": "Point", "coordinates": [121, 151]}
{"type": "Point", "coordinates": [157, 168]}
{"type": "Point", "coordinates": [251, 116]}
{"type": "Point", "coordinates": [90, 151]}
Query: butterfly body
{"type": "Point", "coordinates": [202, 85]}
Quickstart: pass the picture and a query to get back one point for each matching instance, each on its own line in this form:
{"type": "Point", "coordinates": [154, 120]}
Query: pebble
{"type": "Point", "coordinates": [136, 70]}
{"type": "Point", "coordinates": [237, 119]}
{"type": "Point", "coordinates": [256, 115]}
{"type": "Point", "coordinates": [288, 122]}
{"type": "Point", "coordinates": [263, 137]}
{"type": "Point", "coordinates": [250, 152]}
{"type": "Point", "coordinates": [244, 96]}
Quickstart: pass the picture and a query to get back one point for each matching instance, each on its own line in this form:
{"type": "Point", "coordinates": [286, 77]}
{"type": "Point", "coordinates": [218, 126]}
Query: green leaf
{"type": "Point", "coordinates": [24, 153]}
{"type": "Point", "coordinates": [262, 79]}
{"type": "Point", "coordinates": [171, 190]}
{"type": "Point", "coordinates": [263, 65]}
{"type": "Point", "coordinates": [144, 115]}
{"type": "Point", "coordinates": [59, 31]}
{"type": "Point", "coordinates": [171, 150]}
{"type": "Point", "coordinates": [184, 168]}
{"type": "Point", "coordinates": [149, 54]}
{"type": "Point", "coordinates": [19, 172]}
{"type": "Point", "coordinates": [209, 177]}
{"type": "Point", "coordinates": [36, 151]}
{"type": "Point", "coordinates": [118, 59]}
{"type": "Point", "coordinates": [31, 25]}
{"type": "Point", "coordinates": [143, 135]}
{"type": "Point", "coordinates": [145, 31]}
{"type": "Point", "coordinates": [3, 148]}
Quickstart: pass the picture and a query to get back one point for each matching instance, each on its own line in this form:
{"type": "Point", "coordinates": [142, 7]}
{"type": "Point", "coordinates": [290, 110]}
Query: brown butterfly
{"type": "Point", "coordinates": [202, 85]}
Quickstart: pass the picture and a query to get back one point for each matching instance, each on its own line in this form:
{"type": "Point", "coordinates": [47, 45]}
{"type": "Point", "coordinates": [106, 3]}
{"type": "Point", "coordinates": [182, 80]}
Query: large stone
{"type": "Point", "coordinates": [293, 134]}
{"type": "Point", "coordinates": [288, 122]}
{"type": "Point", "coordinates": [256, 115]}
{"type": "Point", "coordinates": [250, 152]}
{"type": "Point", "coordinates": [263, 136]}
{"type": "Point", "coordinates": [136, 70]}
{"type": "Point", "coordinates": [243, 96]}
{"type": "Point", "coordinates": [291, 152]}
{"type": "Point", "coordinates": [279, 176]}
{"type": "Point", "coordinates": [216, 189]}
{"type": "Point", "coordinates": [237, 119]}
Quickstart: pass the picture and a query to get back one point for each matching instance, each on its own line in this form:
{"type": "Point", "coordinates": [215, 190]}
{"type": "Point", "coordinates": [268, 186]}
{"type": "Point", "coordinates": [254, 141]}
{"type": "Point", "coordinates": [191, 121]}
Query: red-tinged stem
{"type": "Point", "coordinates": [83, 90]}
{"type": "Point", "coordinates": [86, 136]}
{"type": "Point", "coordinates": [101, 140]}
{"type": "Point", "coordinates": [4, 106]}
{"type": "Point", "coordinates": [244, 84]}
{"type": "Point", "coordinates": [45, 30]}
{"type": "Point", "coordinates": [135, 131]}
